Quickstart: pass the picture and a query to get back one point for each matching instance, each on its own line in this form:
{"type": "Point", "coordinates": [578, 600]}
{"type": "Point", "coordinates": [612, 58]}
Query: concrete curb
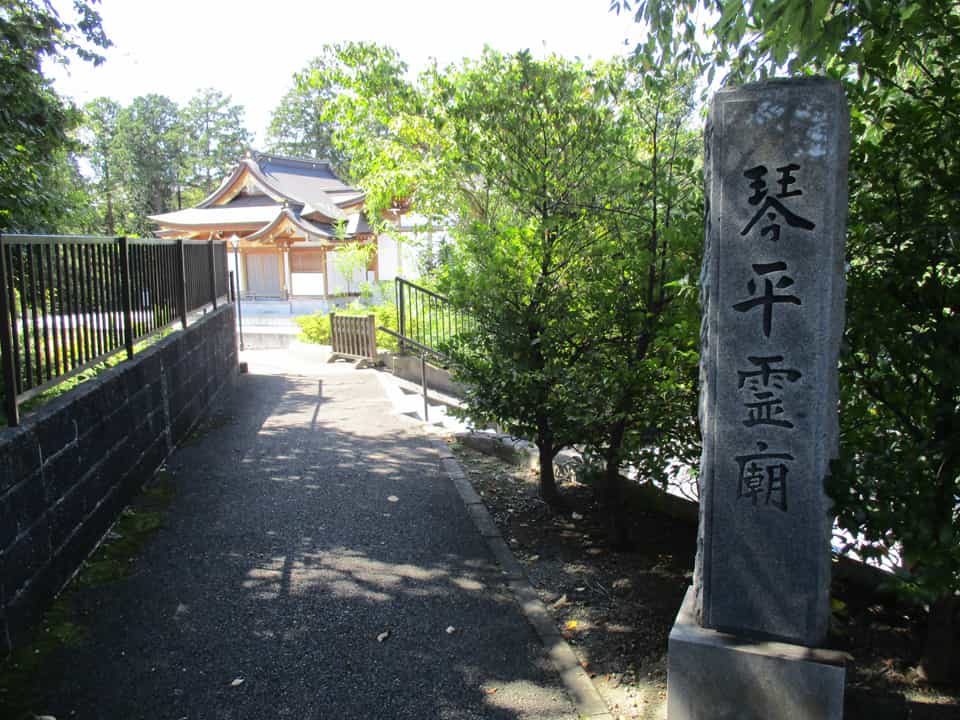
{"type": "Point", "coordinates": [580, 688]}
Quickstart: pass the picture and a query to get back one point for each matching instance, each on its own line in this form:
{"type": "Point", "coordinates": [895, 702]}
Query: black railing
{"type": "Point", "coordinates": [413, 345]}
{"type": "Point", "coordinates": [67, 303]}
{"type": "Point", "coordinates": [428, 319]}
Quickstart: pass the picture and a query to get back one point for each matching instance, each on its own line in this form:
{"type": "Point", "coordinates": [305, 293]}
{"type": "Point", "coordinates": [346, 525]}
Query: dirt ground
{"type": "Point", "coordinates": [616, 609]}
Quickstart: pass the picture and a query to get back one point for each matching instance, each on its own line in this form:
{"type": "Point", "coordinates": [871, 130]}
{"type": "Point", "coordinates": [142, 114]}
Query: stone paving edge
{"type": "Point", "coordinates": [584, 694]}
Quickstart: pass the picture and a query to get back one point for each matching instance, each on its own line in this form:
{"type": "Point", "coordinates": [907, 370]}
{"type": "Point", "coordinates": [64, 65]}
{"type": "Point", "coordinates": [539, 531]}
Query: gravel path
{"type": "Point", "coordinates": [313, 559]}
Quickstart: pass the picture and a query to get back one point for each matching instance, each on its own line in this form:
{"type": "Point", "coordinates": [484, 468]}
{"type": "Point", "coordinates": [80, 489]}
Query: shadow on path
{"type": "Point", "coordinates": [303, 528]}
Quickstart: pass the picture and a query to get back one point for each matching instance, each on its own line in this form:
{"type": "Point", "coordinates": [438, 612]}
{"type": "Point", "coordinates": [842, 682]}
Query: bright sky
{"type": "Point", "coordinates": [250, 50]}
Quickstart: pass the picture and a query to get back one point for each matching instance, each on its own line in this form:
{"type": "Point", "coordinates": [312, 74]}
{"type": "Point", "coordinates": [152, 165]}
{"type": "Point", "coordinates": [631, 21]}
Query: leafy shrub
{"type": "Point", "coordinates": [316, 328]}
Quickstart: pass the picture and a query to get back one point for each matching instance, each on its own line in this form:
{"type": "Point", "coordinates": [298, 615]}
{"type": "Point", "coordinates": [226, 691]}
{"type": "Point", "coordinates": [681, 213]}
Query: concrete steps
{"type": "Point", "coordinates": [407, 399]}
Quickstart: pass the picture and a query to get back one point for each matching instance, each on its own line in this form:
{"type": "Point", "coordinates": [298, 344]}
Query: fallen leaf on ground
{"type": "Point", "coordinates": [383, 636]}
{"type": "Point", "coordinates": [571, 625]}
{"type": "Point", "coordinates": [236, 682]}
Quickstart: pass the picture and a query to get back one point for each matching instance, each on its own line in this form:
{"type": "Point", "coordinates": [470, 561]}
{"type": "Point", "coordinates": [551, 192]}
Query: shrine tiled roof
{"type": "Point", "coordinates": [289, 218]}
{"type": "Point", "coordinates": [263, 186]}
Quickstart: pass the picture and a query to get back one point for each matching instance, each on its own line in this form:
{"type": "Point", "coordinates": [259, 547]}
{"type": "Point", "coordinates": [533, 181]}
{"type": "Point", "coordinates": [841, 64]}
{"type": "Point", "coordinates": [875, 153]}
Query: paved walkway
{"type": "Point", "coordinates": [317, 550]}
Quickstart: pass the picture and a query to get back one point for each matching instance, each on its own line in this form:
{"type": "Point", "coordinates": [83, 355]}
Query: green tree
{"type": "Point", "coordinates": [34, 121]}
{"type": "Point", "coordinates": [75, 212]}
{"type": "Point", "coordinates": [369, 110]}
{"type": "Point", "coordinates": [299, 126]}
{"type": "Point", "coordinates": [99, 136]}
{"type": "Point", "coordinates": [214, 137]}
{"type": "Point", "coordinates": [531, 140]}
{"type": "Point", "coordinates": [897, 479]}
{"type": "Point", "coordinates": [149, 150]}
{"type": "Point", "coordinates": [640, 323]}
{"type": "Point", "coordinates": [353, 258]}
{"type": "Point", "coordinates": [543, 172]}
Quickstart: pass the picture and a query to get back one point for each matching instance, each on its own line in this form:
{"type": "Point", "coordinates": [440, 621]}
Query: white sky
{"type": "Point", "coordinates": [249, 49]}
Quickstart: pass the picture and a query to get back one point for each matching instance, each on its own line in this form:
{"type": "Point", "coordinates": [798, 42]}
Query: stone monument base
{"type": "Point", "coordinates": [714, 675]}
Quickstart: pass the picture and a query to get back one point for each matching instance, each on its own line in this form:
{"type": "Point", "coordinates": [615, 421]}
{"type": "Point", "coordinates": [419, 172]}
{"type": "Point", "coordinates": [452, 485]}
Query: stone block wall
{"type": "Point", "coordinates": [438, 379]}
{"type": "Point", "coordinates": [71, 467]}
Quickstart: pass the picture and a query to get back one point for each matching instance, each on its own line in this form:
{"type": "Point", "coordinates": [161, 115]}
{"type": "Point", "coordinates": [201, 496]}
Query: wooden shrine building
{"type": "Point", "coordinates": [290, 216]}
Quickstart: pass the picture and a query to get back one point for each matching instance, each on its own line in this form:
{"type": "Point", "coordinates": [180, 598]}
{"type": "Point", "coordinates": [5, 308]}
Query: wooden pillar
{"type": "Point", "coordinates": [326, 274]}
{"type": "Point", "coordinates": [287, 273]}
{"type": "Point", "coordinates": [241, 269]}
{"type": "Point", "coordinates": [281, 271]}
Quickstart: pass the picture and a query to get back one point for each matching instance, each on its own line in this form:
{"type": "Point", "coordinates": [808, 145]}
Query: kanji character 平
{"type": "Point", "coordinates": [769, 298]}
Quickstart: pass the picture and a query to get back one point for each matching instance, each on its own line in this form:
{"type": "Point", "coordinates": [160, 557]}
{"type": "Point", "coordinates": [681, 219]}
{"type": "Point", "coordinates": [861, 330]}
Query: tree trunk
{"type": "Point", "coordinates": [941, 651]}
{"type": "Point", "coordinates": [108, 221]}
{"type": "Point", "coordinates": [941, 654]}
{"type": "Point", "coordinates": [610, 493]}
{"type": "Point", "coordinates": [548, 483]}
{"type": "Point", "coordinates": [611, 500]}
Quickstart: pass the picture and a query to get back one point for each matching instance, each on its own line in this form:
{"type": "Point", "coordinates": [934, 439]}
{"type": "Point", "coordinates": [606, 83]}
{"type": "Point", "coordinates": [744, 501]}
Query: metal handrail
{"type": "Point", "coordinates": [414, 344]}
{"type": "Point", "coordinates": [424, 290]}
{"type": "Point", "coordinates": [426, 317]}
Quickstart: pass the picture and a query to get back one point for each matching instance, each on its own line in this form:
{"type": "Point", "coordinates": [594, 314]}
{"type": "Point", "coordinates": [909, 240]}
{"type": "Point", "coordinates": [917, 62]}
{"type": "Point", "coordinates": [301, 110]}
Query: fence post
{"type": "Point", "coordinates": [6, 341]}
{"type": "Point", "coordinates": [182, 288]}
{"type": "Point", "coordinates": [225, 268]}
{"type": "Point", "coordinates": [372, 341]}
{"type": "Point", "coordinates": [126, 296]}
{"type": "Point", "coordinates": [239, 308]}
{"type": "Point", "coordinates": [423, 383]}
{"type": "Point", "coordinates": [213, 274]}
{"type": "Point", "coordinates": [400, 310]}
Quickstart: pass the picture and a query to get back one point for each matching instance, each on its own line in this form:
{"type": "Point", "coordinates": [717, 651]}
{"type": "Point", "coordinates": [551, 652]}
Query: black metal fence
{"type": "Point", "coordinates": [425, 317]}
{"type": "Point", "coordinates": [67, 303]}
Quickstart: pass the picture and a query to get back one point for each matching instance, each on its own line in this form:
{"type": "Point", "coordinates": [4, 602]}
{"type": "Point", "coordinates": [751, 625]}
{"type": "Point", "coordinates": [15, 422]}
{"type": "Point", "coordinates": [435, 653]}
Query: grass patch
{"type": "Point", "coordinates": [205, 427]}
{"type": "Point", "coordinates": [38, 663]}
{"type": "Point", "coordinates": [113, 558]}
{"type": "Point", "coordinates": [21, 672]}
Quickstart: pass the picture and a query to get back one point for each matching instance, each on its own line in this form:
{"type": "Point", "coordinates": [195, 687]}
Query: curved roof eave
{"type": "Point", "coordinates": [288, 216]}
{"type": "Point", "coordinates": [247, 165]}
{"type": "Point", "coordinates": [209, 228]}
{"type": "Point", "coordinates": [320, 206]}
{"type": "Point", "coordinates": [219, 216]}
{"type": "Point", "coordinates": [327, 210]}
{"type": "Point", "coordinates": [351, 199]}
{"type": "Point", "coordinates": [223, 187]}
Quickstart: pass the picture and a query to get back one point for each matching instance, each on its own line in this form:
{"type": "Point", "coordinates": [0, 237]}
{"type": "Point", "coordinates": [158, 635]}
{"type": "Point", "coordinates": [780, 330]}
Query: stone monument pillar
{"type": "Point", "coordinates": [772, 291]}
